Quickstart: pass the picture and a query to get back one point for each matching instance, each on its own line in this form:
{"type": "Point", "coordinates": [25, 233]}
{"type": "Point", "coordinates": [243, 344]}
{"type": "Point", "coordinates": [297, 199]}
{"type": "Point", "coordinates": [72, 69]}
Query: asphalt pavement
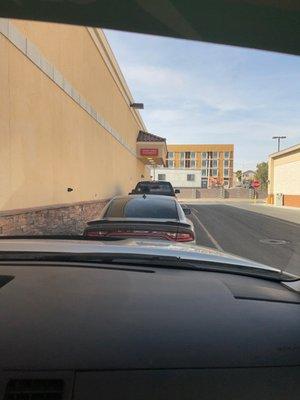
{"type": "Point", "coordinates": [249, 234]}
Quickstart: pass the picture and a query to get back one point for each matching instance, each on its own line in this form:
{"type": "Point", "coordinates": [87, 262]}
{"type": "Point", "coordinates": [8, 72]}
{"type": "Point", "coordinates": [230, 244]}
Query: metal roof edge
{"type": "Point", "coordinates": [109, 58]}
{"type": "Point", "coordinates": [285, 151]}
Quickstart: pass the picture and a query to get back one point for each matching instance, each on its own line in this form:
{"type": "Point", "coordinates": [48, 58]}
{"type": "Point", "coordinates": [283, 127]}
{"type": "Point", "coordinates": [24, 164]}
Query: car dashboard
{"type": "Point", "coordinates": [70, 331]}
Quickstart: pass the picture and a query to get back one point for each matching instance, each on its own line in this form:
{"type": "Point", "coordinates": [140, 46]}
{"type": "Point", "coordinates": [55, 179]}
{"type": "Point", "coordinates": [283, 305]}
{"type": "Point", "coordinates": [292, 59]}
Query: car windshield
{"type": "Point", "coordinates": [142, 207]}
{"type": "Point", "coordinates": [88, 115]}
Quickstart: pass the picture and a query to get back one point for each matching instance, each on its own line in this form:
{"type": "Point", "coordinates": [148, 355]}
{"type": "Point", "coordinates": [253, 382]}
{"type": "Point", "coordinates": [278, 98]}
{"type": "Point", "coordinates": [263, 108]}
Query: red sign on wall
{"type": "Point", "coordinates": [256, 184]}
{"type": "Point", "coordinates": [149, 152]}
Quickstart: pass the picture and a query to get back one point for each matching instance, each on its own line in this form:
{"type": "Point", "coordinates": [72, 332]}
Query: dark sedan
{"type": "Point", "coordinates": [148, 216]}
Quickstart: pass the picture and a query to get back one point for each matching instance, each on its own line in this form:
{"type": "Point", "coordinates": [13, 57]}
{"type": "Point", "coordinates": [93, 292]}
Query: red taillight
{"type": "Point", "coordinates": [96, 233]}
{"type": "Point", "coordinates": [185, 237]}
{"type": "Point", "coordinates": [162, 235]}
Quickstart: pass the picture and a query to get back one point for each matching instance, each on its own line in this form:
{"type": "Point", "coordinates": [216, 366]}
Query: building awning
{"type": "Point", "coordinates": [151, 149]}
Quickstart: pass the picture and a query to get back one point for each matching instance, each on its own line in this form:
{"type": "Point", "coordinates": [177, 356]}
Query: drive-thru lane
{"type": "Point", "coordinates": [259, 237]}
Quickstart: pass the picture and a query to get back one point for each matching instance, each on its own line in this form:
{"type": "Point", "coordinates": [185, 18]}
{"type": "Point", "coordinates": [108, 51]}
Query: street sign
{"type": "Point", "coordinates": [149, 152]}
{"type": "Point", "coordinates": [256, 184]}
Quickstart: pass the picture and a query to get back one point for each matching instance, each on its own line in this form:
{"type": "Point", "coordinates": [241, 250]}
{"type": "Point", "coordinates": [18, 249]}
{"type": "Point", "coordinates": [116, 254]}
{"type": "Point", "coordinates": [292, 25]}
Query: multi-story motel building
{"type": "Point", "coordinates": [198, 166]}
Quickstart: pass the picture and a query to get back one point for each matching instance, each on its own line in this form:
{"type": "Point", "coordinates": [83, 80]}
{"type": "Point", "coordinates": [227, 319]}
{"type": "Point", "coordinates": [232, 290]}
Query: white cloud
{"type": "Point", "coordinates": [220, 97]}
{"type": "Point", "coordinates": [166, 116]}
{"type": "Point", "coordinates": [155, 80]}
{"type": "Point", "coordinates": [160, 83]}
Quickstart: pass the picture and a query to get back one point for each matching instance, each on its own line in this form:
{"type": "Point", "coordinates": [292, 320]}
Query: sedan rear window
{"type": "Point", "coordinates": [159, 187]}
{"type": "Point", "coordinates": [142, 208]}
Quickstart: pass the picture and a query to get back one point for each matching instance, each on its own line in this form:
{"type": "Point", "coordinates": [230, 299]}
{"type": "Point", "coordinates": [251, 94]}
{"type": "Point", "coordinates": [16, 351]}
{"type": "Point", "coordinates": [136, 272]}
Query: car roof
{"type": "Point", "coordinates": [149, 182]}
{"type": "Point", "coordinates": [262, 24]}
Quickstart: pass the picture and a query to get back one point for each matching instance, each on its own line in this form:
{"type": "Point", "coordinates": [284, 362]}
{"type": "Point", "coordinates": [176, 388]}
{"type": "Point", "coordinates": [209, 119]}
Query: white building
{"type": "Point", "coordinates": [284, 177]}
{"type": "Point", "coordinates": [179, 177]}
{"type": "Point", "coordinates": [185, 178]}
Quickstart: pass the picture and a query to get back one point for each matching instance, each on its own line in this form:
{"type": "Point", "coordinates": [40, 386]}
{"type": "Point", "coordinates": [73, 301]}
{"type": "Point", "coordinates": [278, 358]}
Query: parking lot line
{"type": "Point", "coordinates": [211, 238]}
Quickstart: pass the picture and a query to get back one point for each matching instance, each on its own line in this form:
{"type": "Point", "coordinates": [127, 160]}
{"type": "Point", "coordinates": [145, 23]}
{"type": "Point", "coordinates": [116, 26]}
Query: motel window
{"type": "Point", "coordinates": [161, 177]}
{"type": "Point", "coordinates": [226, 154]}
{"type": "Point", "coordinates": [204, 155]}
{"type": "Point", "coordinates": [182, 154]}
{"type": "Point", "coordinates": [204, 183]}
{"type": "Point", "coordinates": [204, 172]}
{"type": "Point", "coordinates": [215, 154]}
{"type": "Point", "coordinates": [214, 172]}
{"type": "Point", "coordinates": [190, 177]}
{"type": "Point", "coordinates": [226, 172]}
{"type": "Point", "coordinates": [170, 163]}
{"type": "Point", "coordinates": [193, 163]}
{"type": "Point", "coordinates": [193, 155]}
{"type": "Point", "coordinates": [215, 163]}
{"type": "Point", "coordinates": [170, 154]}
{"type": "Point", "coordinates": [226, 163]}
{"type": "Point", "coordinates": [182, 164]}
{"type": "Point", "coordinates": [204, 163]}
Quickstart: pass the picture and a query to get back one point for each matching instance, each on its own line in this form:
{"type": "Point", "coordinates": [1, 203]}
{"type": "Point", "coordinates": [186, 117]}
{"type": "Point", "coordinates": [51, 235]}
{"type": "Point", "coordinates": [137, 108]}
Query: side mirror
{"type": "Point", "coordinates": [177, 191]}
{"type": "Point", "coordinates": [187, 211]}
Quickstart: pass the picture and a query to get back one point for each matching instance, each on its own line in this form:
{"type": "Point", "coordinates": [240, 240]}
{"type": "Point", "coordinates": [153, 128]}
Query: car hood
{"type": "Point", "coordinates": [129, 246]}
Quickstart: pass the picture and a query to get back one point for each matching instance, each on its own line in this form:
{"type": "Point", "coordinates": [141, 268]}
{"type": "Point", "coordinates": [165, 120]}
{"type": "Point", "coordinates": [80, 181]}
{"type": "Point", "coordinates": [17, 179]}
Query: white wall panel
{"type": "Point", "coordinates": [287, 178]}
{"type": "Point", "coordinates": [178, 177]}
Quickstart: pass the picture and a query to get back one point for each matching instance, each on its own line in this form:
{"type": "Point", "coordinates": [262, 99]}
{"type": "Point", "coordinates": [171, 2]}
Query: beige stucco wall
{"type": "Point", "coordinates": [287, 178]}
{"type": "Point", "coordinates": [72, 50]}
{"type": "Point", "coordinates": [285, 175]}
{"type": "Point", "coordinates": [47, 141]}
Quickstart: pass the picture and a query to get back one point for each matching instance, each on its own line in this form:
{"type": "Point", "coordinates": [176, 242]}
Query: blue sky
{"type": "Point", "coordinates": [205, 93]}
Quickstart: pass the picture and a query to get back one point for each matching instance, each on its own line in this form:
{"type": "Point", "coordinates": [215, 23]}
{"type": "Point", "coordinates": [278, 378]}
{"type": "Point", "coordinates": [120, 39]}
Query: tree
{"type": "Point", "coordinates": [239, 174]}
{"type": "Point", "coordinates": [262, 174]}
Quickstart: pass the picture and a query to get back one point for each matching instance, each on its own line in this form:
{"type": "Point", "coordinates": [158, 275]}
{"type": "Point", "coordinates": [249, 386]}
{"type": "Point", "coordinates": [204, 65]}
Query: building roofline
{"type": "Point", "coordinates": [285, 151]}
{"type": "Point", "coordinates": [111, 62]}
{"type": "Point", "coordinates": [201, 144]}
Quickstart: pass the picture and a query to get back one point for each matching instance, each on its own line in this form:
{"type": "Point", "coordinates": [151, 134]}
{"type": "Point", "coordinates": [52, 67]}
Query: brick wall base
{"type": "Point", "coordinates": [238, 193]}
{"type": "Point", "coordinates": [186, 193]}
{"type": "Point", "coordinates": [220, 193]}
{"type": "Point", "coordinates": [213, 193]}
{"type": "Point", "coordinates": [69, 219]}
{"type": "Point", "coordinates": [291, 200]}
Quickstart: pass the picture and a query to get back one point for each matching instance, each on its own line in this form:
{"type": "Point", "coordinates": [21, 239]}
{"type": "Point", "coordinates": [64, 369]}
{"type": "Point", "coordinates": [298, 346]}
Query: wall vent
{"type": "Point", "coordinates": [34, 389]}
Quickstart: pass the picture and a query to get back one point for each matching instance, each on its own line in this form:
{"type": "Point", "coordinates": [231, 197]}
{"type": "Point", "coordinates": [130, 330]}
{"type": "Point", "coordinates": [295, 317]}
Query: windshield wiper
{"type": "Point", "coordinates": [211, 266]}
{"type": "Point", "coordinates": [158, 261]}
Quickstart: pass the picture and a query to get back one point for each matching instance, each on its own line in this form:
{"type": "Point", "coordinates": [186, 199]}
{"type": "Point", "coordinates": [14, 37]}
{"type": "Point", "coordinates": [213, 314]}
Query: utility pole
{"type": "Point", "coordinates": [278, 140]}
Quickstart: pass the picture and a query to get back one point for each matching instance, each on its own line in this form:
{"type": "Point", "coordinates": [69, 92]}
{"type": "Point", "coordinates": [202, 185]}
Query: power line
{"type": "Point", "coordinates": [278, 140]}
